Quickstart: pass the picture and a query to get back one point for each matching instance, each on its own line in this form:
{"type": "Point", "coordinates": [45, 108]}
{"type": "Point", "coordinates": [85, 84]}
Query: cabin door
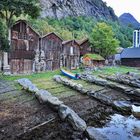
{"type": "Point", "coordinates": [55, 65]}
{"type": "Point", "coordinates": [21, 66]}
{"type": "Point", "coordinates": [73, 63]}
{"type": "Point", "coordinates": [49, 65]}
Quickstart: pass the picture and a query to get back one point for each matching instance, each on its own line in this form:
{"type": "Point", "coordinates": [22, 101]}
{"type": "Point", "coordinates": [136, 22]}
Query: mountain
{"type": "Point", "coordinates": [62, 8]}
{"type": "Point", "coordinates": [128, 19]}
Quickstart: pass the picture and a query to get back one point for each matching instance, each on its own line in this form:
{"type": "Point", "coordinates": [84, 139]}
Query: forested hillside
{"type": "Point", "coordinates": [81, 27]}
{"type": "Point", "coordinates": [76, 26]}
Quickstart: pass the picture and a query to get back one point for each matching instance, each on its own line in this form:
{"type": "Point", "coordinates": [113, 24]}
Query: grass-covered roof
{"type": "Point", "coordinates": [94, 56]}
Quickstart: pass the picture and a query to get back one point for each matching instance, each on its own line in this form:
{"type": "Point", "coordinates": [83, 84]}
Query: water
{"type": "Point", "coordinates": [121, 128]}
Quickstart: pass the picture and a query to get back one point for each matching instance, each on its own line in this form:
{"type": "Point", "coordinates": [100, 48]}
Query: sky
{"type": "Point", "coordinates": [125, 6]}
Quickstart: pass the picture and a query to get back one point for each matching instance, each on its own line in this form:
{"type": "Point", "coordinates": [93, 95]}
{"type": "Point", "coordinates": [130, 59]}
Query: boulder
{"type": "Point", "coordinates": [123, 105]}
{"type": "Point", "coordinates": [57, 78]}
{"type": "Point", "coordinates": [27, 85]}
{"type": "Point", "coordinates": [67, 113]}
{"type": "Point", "coordinates": [134, 75]}
{"type": "Point", "coordinates": [54, 102]}
{"type": "Point", "coordinates": [117, 86]}
{"type": "Point", "coordinates": [84, 91]}
{"type": "Point", "coordinates": [93, 79]}
{"type": "Point", "coordinates": [94, 134]}
{"type": "Point", "coordinates": [136, 92]}
{"type": "Point", "coordinates": [33, 88]}
{"type": "Point", "coordinates": [101, 97]}
{"type": "Point", "coordinates": [136, 111]}
{"type": "Point", "coordinates": [42, 95]}
{"type": "Point", "coordinates": [100, 81]}
{"type": "Point", "coordinates": [78, 87]}
{"type": "Point", "coordinates": [73, 84]}
{"type": "Point", "coordinates": [136, 131]}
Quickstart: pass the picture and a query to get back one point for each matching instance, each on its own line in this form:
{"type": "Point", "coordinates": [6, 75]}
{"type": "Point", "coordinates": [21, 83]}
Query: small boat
{"type": "Point", "coordinates": [70, 75]}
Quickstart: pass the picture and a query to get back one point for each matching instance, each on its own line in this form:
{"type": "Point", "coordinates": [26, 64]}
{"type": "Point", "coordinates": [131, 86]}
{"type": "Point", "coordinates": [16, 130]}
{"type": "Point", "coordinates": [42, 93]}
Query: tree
{"type": "Point", "coordinates": [102, 38]}
{"type": "Point", "coordinates": [11, 8]}
{"type": "Point", "coordinates": [4, 45]}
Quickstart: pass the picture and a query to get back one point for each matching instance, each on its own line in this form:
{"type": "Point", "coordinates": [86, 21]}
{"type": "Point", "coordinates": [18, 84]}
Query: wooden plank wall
{"type": "Point", "coordinates": [131, 62]}
{"type": "Point", "coordinates": [52, 47]}
{"type": "Point", "coordinates": [71, 61]}
{"type": "Point", "coordinates": [24, 42]}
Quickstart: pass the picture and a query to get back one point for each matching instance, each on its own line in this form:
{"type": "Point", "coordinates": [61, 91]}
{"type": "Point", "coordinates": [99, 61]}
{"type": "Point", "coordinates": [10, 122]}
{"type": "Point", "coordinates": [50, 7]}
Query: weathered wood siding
{"type": "Point", "coordinates": [131, 62]}
{"type": "Point", "coordinates": [71, 55]}
{"type": "Point", "coordinates": [24, 43]}
{"type": "Point", "coordinates": [85, 48]}
{"type": "Point", "coordinates": [52, 47]}
{"type": "Point", "coordinates": [0, 60]}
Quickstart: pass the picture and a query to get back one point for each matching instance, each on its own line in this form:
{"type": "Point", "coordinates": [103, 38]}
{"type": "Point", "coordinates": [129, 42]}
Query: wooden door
{"type": "Point", "coordinates": [55, 65]}
{"type": "Point", "coordinates": [21, 66]}
{"type": "Point", "coordinates": [49, 65]}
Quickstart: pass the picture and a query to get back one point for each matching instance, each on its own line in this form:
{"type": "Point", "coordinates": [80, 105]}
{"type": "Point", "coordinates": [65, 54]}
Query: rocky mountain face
{"type": "Point", "coordinates": [63, 8]}
{"type": "Point", "coordinates": [128, 19]}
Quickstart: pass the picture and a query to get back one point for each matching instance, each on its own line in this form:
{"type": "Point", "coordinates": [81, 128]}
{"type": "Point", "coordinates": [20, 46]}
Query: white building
{"type": "Point", "coordinates": [136, 38]}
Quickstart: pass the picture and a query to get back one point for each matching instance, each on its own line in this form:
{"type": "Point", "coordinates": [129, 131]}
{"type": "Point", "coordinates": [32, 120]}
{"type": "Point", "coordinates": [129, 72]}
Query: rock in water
{"type": "Point", "coordinates": [67, 113]}
{"type": "Point", "coordinates": [136, 131]}
{"type": "Point", "coordinates": [136, 111]}
{"type": "Point", "coordinates": [123, 105]}
{"type": "Point", "coordinates": [94, 134]}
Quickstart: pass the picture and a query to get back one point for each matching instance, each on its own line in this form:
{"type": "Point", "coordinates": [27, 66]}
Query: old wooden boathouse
{"type": "Point", "coordinates": [51, 47]}
{"type": "Point", "coordinates": [30, 52]}
{"type": "Point", "coordinates": [70, 54]}
{"type": "Point", "coordinates": [24, 45]}
{"type": "Point", "coordinates": [84, 47]}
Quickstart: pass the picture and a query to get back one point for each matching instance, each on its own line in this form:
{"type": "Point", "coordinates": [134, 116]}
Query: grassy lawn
{"type": "Point", "coordinates": [32, 77]}
{"type": "Point", "coordinates": [114, 70]}
{"type": "Point", "coordinates": [45, 80]}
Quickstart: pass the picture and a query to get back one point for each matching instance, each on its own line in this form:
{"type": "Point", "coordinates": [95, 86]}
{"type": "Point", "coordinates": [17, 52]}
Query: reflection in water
{"type": "Point", "coordinates": [122, 128]}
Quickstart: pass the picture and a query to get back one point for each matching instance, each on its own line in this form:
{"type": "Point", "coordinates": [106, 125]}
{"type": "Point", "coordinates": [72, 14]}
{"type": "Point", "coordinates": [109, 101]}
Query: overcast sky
{"type": "Point", "coordinates": [125, 6]}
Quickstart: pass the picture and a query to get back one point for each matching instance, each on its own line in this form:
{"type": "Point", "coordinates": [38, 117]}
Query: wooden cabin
{"type": "Point", "coordinates": [131, 57]}
{"type": "Point", "coordinates": [51, 47]}
{"type": "Point", "coordinates": [24, 45]}
{"type": "Point", "coordinates": [84, 47]}
{"type": "Point", "coordinates": [93, 60]}
{"type": "Point", "coordinates": [71, 54]}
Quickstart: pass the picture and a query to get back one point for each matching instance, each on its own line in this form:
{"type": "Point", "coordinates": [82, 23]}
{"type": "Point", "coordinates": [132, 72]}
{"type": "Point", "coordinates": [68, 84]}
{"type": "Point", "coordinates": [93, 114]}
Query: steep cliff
{"type": "Point", "coordinates": [63, 8]}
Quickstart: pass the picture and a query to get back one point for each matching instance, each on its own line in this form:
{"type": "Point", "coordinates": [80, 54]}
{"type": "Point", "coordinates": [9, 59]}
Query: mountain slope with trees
{"type": "Point", "coordinates": [74, 26]}
{"type": "Point", "coordinates": [128, 20]}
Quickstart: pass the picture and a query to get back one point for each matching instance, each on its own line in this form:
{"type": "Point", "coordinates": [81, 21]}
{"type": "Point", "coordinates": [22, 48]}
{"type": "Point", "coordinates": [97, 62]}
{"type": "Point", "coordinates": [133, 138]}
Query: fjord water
{"type": "Point", "coordinates": [121, 128]}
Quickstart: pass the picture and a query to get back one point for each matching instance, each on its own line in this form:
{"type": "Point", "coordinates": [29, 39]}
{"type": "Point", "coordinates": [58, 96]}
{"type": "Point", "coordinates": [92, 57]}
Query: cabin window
{"type": "Point", "coordinates": [22, 36]}
{"type": "Point", "coordinates": [71, 50]}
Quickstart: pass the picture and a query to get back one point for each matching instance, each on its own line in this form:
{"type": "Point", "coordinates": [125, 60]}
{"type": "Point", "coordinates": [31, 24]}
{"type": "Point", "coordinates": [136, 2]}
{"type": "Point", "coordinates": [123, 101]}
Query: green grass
{"type": "Point", "coordinates": [32, 77]}
{"type": "Point", "coordinates": [45, 80]}
{"type": "Point", "coordinates": [94, 56]}
{"type": "Point", "coordinates": [114, 70]}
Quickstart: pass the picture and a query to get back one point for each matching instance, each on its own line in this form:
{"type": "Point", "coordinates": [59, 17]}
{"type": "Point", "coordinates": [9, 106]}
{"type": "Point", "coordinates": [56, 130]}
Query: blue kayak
{"type": "Point", "coordinates": [70, 75]}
